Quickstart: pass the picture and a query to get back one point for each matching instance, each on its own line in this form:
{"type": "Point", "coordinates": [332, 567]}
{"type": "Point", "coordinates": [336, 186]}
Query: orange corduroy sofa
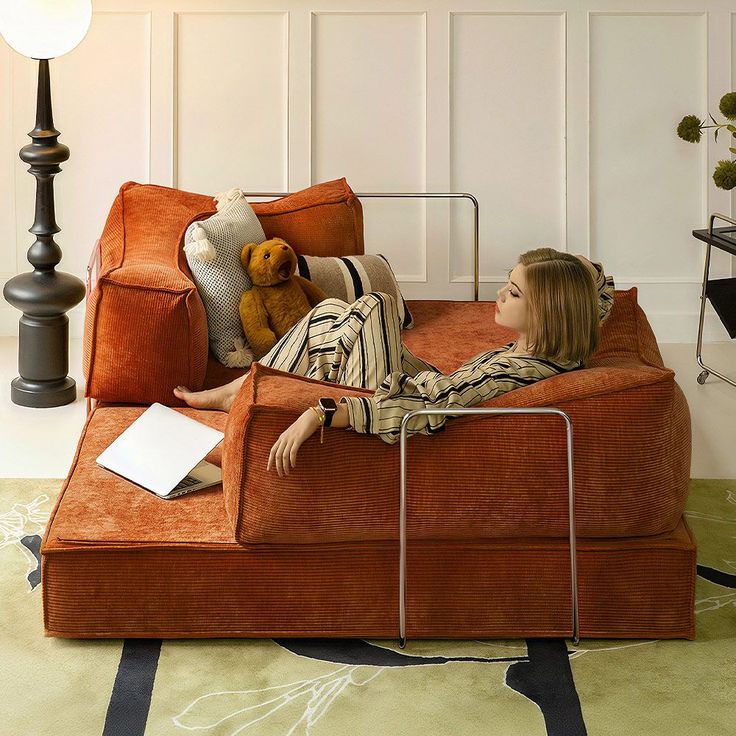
{"type": "Point", "coordinates": [316, 553]}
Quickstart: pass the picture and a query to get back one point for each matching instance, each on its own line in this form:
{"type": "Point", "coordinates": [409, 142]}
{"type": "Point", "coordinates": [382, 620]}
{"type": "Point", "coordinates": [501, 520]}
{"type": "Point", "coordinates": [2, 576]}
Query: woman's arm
{"type": "Point", "coordinates": [486, 377]}
{"type": "Point", "coordinates": [284, 450]}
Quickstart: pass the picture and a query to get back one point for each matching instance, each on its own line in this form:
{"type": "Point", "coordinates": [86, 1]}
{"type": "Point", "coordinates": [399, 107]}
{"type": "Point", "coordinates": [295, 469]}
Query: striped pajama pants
{"type": "Point", "coordinates": [356, 344]}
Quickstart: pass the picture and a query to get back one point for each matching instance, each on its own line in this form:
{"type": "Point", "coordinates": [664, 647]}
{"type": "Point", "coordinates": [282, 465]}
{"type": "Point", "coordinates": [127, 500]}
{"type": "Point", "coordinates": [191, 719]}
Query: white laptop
{"type": "Point", "coordinates": [163, 451]}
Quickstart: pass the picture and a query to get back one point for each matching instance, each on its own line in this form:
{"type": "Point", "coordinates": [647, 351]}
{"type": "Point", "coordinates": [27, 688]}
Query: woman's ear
{"type": "Point", "coordinates": [245, 254]}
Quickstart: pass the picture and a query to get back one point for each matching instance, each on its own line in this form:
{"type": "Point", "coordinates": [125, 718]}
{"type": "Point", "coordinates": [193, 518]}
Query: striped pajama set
{"type": "Point", "coordinates": [360, 345]}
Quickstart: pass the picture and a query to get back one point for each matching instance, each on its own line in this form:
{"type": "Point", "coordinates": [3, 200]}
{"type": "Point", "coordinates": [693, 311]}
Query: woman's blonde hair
{"type": "Point", "coordinates": [562, 311]}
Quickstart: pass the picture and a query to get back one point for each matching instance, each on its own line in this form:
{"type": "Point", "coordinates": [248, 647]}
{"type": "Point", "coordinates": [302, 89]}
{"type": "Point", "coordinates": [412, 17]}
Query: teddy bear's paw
{"type": "Point", "coordinates": [200, 247]}
{"type": "Point", "coordinates": [241, 357]}
{"type": "Point", "coordinates": [222, 199]}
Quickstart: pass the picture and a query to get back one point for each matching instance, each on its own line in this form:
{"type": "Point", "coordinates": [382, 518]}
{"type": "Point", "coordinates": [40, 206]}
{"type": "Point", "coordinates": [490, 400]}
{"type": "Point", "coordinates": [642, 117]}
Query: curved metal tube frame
{"type": "Point", "coordinates": [414, 195]}
{"type": "Point", "coordinates": [702, 303]}
{"type": "Point", "coordinates": [402, 504]}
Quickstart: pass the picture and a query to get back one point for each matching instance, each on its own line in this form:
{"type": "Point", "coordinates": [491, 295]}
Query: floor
{"type": "Point", "coordinates": [40, 443]}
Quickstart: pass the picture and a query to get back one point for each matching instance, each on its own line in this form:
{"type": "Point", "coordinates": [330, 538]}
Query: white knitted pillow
{"type": "Point", "coordinates": [212, 249]}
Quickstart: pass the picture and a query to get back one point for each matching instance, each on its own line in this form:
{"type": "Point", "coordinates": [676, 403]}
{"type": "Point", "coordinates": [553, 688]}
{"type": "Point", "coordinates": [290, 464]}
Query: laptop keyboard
{"type": "Point", "coordinates": [186, 482]}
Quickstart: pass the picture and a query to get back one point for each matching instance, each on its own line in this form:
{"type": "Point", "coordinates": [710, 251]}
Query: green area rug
{"type": "Point", "coordinates": [326, 687]}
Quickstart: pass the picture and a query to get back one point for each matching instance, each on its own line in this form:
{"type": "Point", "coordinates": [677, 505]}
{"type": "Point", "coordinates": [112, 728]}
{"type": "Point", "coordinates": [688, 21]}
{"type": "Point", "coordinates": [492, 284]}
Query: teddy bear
{"type": "Point", "coordinates": [279, 297]}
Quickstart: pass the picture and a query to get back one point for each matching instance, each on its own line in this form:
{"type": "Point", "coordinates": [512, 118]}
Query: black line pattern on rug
{"type": "Point", "coordinates": [719, 577]}
{"type": "Point", "coordinates": [32, 543]}
{"type": "Point", "coordinates": [359, 651]}
{"type": "Point", "coordinates": [546, 679]}
{"type": "Point", "coordinates": [130, 701]}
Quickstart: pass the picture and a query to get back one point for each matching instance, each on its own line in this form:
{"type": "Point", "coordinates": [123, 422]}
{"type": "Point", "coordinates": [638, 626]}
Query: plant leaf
{"type": "Point", "coordinates": [716, 136]}
{"type": "Point", "coordinates": [732, 128]}
{"type": "Point", "coordinates": [733, 150]}
{"type": "Point", "coordinates": [712, 118]}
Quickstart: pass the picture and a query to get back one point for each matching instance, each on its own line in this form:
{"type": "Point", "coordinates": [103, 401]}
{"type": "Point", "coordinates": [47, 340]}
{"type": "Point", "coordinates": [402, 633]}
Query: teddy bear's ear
{"type": "Point", "coordinates": [246, 253]}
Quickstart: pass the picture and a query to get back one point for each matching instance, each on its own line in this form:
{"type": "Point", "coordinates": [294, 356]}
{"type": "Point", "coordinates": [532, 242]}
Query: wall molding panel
{"type": "Point", "coordinates": [368, 115]}
{"type": "Point", "coordinates": [231, 101]}
{"type": "Point", "coordinates": [507, 135]}
{"type": "Point", "coordinates": [559, 118]}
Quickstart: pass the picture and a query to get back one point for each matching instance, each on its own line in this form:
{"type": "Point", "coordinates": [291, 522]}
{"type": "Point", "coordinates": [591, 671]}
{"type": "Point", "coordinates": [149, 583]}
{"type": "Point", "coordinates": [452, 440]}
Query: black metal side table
{"type": "Point", "coordinates": [721, 292]}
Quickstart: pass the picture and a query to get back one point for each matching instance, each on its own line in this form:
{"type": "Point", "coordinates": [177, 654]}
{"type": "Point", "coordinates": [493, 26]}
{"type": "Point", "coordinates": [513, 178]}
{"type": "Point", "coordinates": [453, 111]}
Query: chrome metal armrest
{"type": "Point", "coordinates": [93, 272]}
{"type": "Point", "coordinates": [93, 269]}
{"type": "Point", "coordinates": [402, 503]}
{"type": "Point", "coordinates": [415, 195]}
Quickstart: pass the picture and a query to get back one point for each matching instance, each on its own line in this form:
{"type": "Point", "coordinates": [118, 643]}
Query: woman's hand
{"type": "Point", "coordinates": [283, 453]}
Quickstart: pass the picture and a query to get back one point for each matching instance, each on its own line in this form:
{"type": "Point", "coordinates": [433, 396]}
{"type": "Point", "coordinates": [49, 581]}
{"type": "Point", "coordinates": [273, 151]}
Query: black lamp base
{"type": "Point", "coordinates": [43, 394]}
{"type": "Point", "coordinates": [44, 295]}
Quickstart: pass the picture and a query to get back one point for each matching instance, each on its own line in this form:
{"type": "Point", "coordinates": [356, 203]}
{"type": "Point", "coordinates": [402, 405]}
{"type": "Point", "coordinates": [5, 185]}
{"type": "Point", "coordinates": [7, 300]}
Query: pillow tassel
{"type": "Point", "coordinates": [200, 247]}
{"type": "Point", "coordinates": [222, 199]}
{"type": "Point", "coordinates": [241, 357]}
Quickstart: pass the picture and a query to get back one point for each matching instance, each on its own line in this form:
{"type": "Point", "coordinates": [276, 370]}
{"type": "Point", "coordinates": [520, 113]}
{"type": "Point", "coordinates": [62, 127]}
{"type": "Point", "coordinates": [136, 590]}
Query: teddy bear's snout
{"type": "Point", "coordinates": [284, 269]}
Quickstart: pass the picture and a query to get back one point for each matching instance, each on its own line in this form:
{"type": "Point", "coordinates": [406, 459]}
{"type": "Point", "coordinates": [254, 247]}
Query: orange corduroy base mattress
{"type": "Point", "coordinates": [120, 562]}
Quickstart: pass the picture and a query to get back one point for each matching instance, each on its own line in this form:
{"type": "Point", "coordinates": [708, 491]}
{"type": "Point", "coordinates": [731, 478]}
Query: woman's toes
{"type": "Point", "coordinates": [208, 399]}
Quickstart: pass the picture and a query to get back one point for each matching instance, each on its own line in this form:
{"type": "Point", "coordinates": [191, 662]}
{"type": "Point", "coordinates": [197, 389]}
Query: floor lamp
{"type": "Point", "coordinates": [43, 30]}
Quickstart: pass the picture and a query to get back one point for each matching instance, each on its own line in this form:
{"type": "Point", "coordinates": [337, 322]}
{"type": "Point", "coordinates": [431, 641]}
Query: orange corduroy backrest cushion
{"type": "Point", "coordinates": [632, 448]}
{"type": "Point", "coordinates": [145, 325]}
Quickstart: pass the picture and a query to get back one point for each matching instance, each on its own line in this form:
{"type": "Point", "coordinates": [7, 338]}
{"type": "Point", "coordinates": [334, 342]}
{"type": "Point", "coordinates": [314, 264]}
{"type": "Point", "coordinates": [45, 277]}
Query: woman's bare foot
{"type": "Point", "coordinates": [220, 398]}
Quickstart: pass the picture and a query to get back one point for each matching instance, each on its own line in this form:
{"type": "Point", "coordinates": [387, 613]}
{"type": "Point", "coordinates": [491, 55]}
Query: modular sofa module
{"type": "Point", "coordinates": [316, 553]}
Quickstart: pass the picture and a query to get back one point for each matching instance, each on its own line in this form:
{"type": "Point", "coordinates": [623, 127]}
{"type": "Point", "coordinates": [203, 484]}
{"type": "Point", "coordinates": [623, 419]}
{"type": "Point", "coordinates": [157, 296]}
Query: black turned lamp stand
{"type": "Point", "coordinates": [44, 295]}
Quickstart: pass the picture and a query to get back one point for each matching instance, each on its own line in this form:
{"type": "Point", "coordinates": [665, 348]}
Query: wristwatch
{"type": "Point", "coordinates": [329, 407]}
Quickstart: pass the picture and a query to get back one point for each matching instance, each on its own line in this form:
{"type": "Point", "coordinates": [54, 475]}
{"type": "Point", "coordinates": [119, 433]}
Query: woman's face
{"type": "Point", "coordinates": [511, 304]}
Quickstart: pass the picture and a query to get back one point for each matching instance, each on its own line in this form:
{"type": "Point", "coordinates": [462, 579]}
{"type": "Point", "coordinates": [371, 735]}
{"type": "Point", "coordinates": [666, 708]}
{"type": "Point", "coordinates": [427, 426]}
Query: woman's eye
{"type": "Point", "coordinates": [512, 294]}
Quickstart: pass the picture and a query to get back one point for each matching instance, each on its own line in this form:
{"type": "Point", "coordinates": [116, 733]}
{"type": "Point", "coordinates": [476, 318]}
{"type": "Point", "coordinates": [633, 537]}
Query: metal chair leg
{"type": "Point", "coordinates": [707, 370]}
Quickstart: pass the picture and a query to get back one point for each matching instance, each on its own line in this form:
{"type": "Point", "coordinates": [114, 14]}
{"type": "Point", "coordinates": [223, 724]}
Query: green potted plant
{"type": "Point", "coordinates": [691, 127]}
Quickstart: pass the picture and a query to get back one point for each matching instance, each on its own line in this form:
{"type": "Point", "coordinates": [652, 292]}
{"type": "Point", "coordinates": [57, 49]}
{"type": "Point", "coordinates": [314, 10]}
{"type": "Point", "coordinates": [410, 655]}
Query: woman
{"type": "Point", "coordinates": [550, 299]}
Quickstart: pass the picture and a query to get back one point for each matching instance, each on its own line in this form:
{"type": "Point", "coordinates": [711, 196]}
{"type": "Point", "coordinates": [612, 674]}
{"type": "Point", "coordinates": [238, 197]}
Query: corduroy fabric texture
{"type": "Point", "coordinates": [483, 477]}
{"type": "Point", "coordinates": [145, 324]}
{"type": "Point", "coordinates": [110, 571]}
{"type": "Point", "coordinates": [455, 590]}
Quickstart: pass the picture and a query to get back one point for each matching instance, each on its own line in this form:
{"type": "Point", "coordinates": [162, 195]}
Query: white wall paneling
{"type": "Point", "coordinates": [8, 265]}
{"type": "Point", "coordinates": [507, 100]}
{"type": "Point", "coordinates": [646, 185]}
{"type": "Point", "coordinates": [648, 189]}
{"type": "Point", "coordinates": [560, 118]}
{"type": "Point", "coordinates": [368, 123]}
{"type": "Point", "coordinates": [232, 111]}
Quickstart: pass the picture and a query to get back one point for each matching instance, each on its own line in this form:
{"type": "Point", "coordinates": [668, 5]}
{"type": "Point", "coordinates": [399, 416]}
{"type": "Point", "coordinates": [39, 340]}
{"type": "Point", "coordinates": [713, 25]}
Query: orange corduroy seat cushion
{"type": "Point", "coordinates": [482, 477]}
{"type": "Point", "coordinates": [145, 325]}
{"type": "Point", "coordinates": [120, 562]}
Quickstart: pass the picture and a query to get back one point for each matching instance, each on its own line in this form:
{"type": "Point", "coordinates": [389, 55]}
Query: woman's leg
{"type": "Point", "coordinates": [364, 344]}
{"type": "Point", "coordinates": [295, 351]}
{"type": "Point", "coordinates": [221, 397]}
{"type": "Point", "coordinates": [291, 353]}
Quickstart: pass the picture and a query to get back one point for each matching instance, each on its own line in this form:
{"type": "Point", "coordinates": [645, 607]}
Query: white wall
{"type": "Point", "coordinates": [560, 117]}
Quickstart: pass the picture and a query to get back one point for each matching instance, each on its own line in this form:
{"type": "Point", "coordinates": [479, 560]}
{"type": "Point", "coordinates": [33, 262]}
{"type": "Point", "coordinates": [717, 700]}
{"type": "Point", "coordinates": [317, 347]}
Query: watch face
{"type": "Point", "coordinates": [328, 403]}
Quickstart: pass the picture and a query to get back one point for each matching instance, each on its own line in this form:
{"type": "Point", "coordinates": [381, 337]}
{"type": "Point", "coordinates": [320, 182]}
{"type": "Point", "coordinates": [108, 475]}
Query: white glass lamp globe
{"type": "Point", "coordinates": [44, 29]}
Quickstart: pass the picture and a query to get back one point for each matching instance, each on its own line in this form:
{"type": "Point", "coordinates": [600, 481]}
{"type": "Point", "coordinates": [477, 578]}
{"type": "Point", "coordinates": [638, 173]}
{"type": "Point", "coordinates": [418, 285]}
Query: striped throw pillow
{"type": "Point", "coordinates": [348, 277]}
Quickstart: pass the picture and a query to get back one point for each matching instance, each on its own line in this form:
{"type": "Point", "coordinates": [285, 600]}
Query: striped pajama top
{"type": "Point", "coordinates": [420, 385]}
